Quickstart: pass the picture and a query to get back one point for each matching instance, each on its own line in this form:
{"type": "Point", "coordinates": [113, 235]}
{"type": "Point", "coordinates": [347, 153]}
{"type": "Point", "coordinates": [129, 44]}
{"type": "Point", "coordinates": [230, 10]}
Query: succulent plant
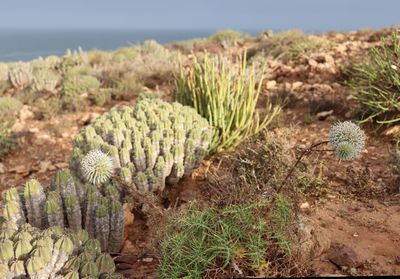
{"type": "Point", "coordinates": [347, 140]}
{"type": "Point", "coordinates": [45, 80]}
{"type": "Point", "coordinates": [68, 204]}
{"type": "Point", "coordinates": [28, 252]}
{"type": "Point", "coordinates": [146, 146]}
{"type": "Point", "coordinates": [20, 75]}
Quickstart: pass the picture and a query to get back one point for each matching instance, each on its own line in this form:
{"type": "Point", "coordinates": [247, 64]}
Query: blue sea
{"type": "Point", "coordinates": [24, 45]}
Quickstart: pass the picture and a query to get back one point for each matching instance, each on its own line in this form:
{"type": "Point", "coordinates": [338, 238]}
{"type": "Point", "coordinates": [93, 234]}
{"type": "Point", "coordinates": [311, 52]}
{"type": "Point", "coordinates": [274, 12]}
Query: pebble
{"type": "Point", "coordinates": [2, 168]}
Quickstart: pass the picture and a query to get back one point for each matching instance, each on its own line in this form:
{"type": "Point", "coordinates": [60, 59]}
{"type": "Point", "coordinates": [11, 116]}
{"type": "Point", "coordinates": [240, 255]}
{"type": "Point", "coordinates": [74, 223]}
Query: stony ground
{"type": "Point", "coordinates": [355, 219]}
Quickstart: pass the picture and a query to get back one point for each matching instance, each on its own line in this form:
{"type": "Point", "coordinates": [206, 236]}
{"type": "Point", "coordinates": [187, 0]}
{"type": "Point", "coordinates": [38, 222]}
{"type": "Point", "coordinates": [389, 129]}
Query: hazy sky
{"type": "Point", "coordinates": [311, 15]}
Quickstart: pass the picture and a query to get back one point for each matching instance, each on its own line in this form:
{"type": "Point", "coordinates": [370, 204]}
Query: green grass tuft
{"type": "Point", "coordinates": [377, 82]}
{"type": "Point", "coordinates": [200, 239]}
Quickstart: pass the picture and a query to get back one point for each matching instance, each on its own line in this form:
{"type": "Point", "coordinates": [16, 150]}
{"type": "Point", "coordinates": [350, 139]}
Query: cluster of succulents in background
{"type": "Point", "coordinates": [146, 146]}
{"type": "Point", "coordinates": [69, 204]}
{"type": "Point", "coordinates": [29, 252]}
{"type": "Point", "coordinates": [347, 140]}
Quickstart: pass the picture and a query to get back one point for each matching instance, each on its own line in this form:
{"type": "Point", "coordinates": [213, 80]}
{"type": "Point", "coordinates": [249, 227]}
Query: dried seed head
{"type": "Point", "coordinates": [97, 167]}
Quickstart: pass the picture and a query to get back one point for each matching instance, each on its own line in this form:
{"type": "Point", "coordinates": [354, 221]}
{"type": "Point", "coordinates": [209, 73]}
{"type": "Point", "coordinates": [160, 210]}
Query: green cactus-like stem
{"type": "Point", "coordinates": [139, 158]}
{"type": "Point", "coordinates": [91, 205]}
{"type": "Point", "coordinates": [125, 156]}
{"type": "Point", "coordinates": [141, 182]}
{"type": "Point", "coordinates": [34, 200]}
{"type": "Point", "coordinates": [102, 223]}
{"type": "Point", "coordinates": [54, 210]}
{"type": "Point", "coordinates": [116, 227]}
{"type": "Point", "coordinates": [73, 212]}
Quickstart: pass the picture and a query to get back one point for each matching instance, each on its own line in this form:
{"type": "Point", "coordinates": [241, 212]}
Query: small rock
{"type": "Point", "coordinates": [342, 255]}
{"type": "Point", "coordinates": [61, 165]}
{"type": "Point", "coordinates": [392, 131]}
{"type": "Point", "coordinates": [44, 166]}
{"type": "Point", "coordinates": [25, 113]}
{"type": "Point", "coordinates": [305, 205]}
{"type": "Point", "coordinates": [2, 168]}
{"type": "Point", "coordinates": [18, 127]}
{"type": "Point", "coordinates": [313, 238]}
{"type": "Point", "coordinates": [147, 260]}
{"type": "Point", "coordinates": [330, 196]}
{"type": "Point", "coordinates": [34, 130]}
{"type": "Point", "coordinates": [296, 85]}
{"type": "Point", "coordinates": [355, 234]}
{"type": "Point", "coordinates": [271, 84]}
{"type": "Point", "coordinates": [324, 114]}
{"type": "Point", "coordinates": [18, 169]}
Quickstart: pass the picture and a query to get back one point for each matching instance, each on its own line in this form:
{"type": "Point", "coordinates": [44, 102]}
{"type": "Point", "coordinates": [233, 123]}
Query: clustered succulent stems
{"type": "Point", "coordinates": [146, 146]}
{"type": "Point", "coordinates": [29, 252]}
{"type": "Point", "coordinates": [69, 204]}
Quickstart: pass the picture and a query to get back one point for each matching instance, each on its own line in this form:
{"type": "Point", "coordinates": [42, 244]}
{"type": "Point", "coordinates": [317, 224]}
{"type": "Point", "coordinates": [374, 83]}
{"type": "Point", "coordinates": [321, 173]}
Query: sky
{"type": "Point", "coordinates": [309, 15]}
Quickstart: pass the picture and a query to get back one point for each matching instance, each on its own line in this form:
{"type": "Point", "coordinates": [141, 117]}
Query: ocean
{"type": "Point", "coordinates": [24, 45]}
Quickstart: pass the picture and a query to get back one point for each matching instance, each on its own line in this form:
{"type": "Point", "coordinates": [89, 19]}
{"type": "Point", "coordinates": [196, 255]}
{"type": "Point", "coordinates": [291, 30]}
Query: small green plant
{"type": "Point", "coordinates": [7, 141]}
{"type": "Point", "coordinates": [289, 44]}
{"type": "Point", "coordinates": [377, 82]}
{"type": "Point", "coordinates": [9, 107]}
{"type": "Point", "coordinates": [75, 89]}
{"type": "Point", "coordinates": [227, 97]}
{"type": "Point", "coordinates": [212, 238]}
{"type": "Point", "coordinates": [227, 37]}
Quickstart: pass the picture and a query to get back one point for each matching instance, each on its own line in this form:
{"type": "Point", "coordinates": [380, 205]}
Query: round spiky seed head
{"type": "Point", "coordinates": [345, 151]}
{"type": "Point", "coordinates": [347, 139]}
{"type": "Point", "coordinates": [6, 250]}
{"type": "Point", "coordinates": [64, 244]}
{"type": "Point", "coordinates": [34, 265]}
{"type": "Point", "coordinates": [97, 167]}
{"type": "Point", "coordinates": [72, 275]}
{"type": "Point", "coordinates": [89, 270]}
{"type": "Point", "coordinates": [105, 263]}
{"type": "Point", "coordinates": [21, 248]}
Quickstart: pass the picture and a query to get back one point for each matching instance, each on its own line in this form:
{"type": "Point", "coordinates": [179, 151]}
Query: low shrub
{"type": "Point", "coordinates": [7, 141]}
{"type": "Point", "coordinates": [289, 44]}
{"type": "Point", "coordinates": [227, 37]}
{"type": "Point", "coordinates": [75, 89]}
{"type": "Point", "coordinates": [9, 107]}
